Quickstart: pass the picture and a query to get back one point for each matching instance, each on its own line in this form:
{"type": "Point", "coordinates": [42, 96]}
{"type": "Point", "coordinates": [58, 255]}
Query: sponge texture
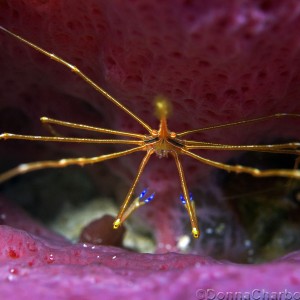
{"type": "Point", "coordinates": [217, 61]}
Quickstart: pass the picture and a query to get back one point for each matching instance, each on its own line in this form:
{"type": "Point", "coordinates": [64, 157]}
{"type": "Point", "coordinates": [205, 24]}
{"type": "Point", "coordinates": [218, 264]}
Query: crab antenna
{"type": "Point", "coordinates": [82, 75]}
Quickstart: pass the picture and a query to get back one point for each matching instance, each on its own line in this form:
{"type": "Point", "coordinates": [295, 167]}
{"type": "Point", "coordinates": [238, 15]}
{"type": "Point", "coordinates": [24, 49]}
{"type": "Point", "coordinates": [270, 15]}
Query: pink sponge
{"type": "Point", "coordinates": [36, 267]}
{"type": "Point", "coordinates": [217, 61]}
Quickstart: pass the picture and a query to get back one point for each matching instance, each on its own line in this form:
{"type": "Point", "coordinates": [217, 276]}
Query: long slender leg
{"type": "Point", "coordinates": [242, 169]}
{"type": "Point", "coordinates": [82, 75]}
{"type": "Point", "coordinates": [11, 136]}
{"type": "Point", "coordinates": [288, 148]}
{"type": "Point", "coordinates": [120, 217]}
{"type": "Point", "coordinates": [51, 129]}
{"type": "Point", "coordinates": [289, 184]}
{"type": "Point", "coordinates": [291, 145]}
{"type": "Point", "coordinates": [49, 121]}
{"type": "Point", "coordinates": [244, 122]}
{"type": "Point", "coordinates": [29, 167]}
{"type": "Point", "coordinates": [189, 206]}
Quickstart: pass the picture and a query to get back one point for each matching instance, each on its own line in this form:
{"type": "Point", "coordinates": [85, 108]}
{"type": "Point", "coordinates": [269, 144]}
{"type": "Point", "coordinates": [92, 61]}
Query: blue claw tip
{"type": "Point", "coordinates": [191, 196]}
{"type": "Point", "coordinates": [143, 193]}
{"type": "Point", "coordinates": [182, 199]}
{"type": "Point", "coordinates": [149, 198]}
